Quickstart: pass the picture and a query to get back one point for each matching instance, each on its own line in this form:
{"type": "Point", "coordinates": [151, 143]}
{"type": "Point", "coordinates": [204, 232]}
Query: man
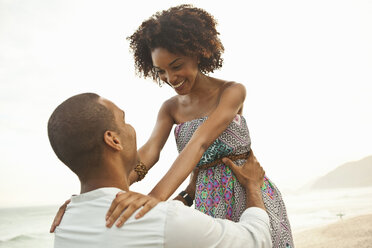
{"type": "Point", "coordinates": [89, 134]}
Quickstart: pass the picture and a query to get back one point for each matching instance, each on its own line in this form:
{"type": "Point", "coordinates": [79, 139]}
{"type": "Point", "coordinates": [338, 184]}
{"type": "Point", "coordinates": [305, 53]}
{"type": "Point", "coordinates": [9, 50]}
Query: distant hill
{"type": "Point", "coordinates": [349, 175]}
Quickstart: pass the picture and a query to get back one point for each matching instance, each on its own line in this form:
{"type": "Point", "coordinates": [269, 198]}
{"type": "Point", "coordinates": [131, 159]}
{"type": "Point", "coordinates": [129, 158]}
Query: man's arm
{"type": "Point", "coordinates": [187, 227]}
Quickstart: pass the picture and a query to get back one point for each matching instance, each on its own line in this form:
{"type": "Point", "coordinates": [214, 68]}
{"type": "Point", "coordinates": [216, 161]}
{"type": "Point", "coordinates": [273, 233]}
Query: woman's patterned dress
{"type": "Point", "coordinates": [219, 194]}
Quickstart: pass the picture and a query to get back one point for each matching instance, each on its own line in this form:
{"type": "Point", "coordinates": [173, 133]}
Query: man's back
{"type": "Point", "coordinates": [83, 224]}
{"type": "Point", "coordinates": [169, 224]}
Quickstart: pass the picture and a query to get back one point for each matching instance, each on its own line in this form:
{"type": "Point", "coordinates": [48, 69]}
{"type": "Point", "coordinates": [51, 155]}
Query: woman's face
{"type": "Point", "coordinates": [178, 71]}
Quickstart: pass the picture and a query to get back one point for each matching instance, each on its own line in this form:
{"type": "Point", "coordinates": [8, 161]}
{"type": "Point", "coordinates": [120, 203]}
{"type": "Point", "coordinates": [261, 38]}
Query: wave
{"type": "Point", "coordinates": [34, 240]}
{"type": "Point", "coordinates": [22, 237]}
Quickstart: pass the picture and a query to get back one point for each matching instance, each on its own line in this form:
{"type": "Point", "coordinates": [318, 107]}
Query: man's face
{"type": "Point", "coordinates": [127, 134]}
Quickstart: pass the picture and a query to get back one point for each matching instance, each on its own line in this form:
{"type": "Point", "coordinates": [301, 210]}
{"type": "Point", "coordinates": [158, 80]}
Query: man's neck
{"type": "Point", "coordinates": [89, 186]}
{"type": "Point", "coordinates": [110, 177]}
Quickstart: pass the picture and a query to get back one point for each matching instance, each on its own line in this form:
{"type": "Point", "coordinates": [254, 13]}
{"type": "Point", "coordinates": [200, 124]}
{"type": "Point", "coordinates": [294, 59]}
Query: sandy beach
{"type": "Point", "coordinates": [346, 233]}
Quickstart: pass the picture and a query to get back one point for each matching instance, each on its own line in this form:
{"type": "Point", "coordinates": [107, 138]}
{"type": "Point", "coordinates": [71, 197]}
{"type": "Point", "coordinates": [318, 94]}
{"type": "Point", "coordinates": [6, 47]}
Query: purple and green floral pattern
{"type": "Point", "coordinates": [219, 194]}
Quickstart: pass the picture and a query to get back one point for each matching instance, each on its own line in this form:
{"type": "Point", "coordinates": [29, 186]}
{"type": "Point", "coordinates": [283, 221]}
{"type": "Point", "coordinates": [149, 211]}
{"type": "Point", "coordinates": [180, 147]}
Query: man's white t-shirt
{"type": "Point", "coordinates": [169, 224]}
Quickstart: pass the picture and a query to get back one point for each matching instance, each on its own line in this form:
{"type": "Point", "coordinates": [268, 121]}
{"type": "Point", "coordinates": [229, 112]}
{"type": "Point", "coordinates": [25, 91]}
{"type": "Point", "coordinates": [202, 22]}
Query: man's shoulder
{"type": "Point", "coordinates": [87, 209]}
{"type": "Point", "coordinates": [85, 218]}
{"type": "Point", "coordinates": [159, 211]}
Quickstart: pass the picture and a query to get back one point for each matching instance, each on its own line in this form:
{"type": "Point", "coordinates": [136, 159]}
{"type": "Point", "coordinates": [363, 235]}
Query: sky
{"type": "Point", "coordinates": [306, 65]}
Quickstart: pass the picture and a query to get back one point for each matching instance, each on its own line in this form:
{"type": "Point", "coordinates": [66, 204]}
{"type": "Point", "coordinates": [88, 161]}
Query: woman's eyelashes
{"type": "Point", "coordinates": [177, 67]}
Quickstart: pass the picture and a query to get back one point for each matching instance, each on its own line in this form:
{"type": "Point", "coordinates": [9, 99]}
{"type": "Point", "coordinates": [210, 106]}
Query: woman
{"type": "Point", "coordinates": [178, 47]}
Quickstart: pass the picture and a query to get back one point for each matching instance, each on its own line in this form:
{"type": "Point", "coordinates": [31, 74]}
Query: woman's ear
{"type": "Point", "coordinates": [112, 139]}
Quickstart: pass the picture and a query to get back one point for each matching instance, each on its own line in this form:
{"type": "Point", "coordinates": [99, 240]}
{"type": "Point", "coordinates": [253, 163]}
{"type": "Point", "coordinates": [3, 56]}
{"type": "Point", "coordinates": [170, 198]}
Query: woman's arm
{"type": "Point", "coordinates": [231, 101]}
{"type": "Point", "coordinates": [190, 189]}
{"type": "Point", "coordinates": [149, 153]}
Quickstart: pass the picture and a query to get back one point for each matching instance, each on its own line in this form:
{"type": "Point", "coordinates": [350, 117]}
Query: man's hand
{"type": "Point", "coordinates": [125, 204]}
{"type": "Point", "coordinates": [250, 176]}
{"type": "Point", "coordinates": [57, 220]}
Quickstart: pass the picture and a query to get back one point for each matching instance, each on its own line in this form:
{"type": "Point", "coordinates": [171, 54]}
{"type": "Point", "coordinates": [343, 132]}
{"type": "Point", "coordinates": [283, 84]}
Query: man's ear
{"type": "Point", "coordinates": [112, 139]}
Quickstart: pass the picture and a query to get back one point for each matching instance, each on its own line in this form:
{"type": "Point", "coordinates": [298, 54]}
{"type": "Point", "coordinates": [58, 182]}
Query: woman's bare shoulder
{"type": "Point", "coordinates": [170, 106]}
{"type": "Point", "coordinates": [233, 84]}
{"type": "Point", "coordinates": [233, 89]}
{"type": "Point", "coordinates": [171, 103]}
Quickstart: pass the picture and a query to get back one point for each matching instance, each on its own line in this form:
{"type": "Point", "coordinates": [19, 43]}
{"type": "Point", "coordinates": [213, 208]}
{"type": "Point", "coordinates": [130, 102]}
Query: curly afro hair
{"type": "Point", "coordinates": [184, 30]}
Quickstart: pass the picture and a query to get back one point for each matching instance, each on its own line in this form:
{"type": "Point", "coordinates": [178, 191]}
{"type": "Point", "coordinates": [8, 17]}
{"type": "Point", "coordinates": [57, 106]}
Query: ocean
{"type": "Point", "coordinates": [28, 227]}
{"type": "Point", "coordinates": [308, 209]}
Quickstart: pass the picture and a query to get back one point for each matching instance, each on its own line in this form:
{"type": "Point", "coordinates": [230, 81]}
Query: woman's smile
{"type": "Point", "coordinates": [178, 85]}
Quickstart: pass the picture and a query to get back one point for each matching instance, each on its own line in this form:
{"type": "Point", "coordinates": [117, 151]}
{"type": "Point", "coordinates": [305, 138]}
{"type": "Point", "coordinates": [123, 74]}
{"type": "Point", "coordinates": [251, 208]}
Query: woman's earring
{"type": "Point", "coordinates": [157, 79]}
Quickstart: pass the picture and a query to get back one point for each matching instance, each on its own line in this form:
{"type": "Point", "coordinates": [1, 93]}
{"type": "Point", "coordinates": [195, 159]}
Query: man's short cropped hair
{"type": "Point", "coordinates": [76, 129]}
